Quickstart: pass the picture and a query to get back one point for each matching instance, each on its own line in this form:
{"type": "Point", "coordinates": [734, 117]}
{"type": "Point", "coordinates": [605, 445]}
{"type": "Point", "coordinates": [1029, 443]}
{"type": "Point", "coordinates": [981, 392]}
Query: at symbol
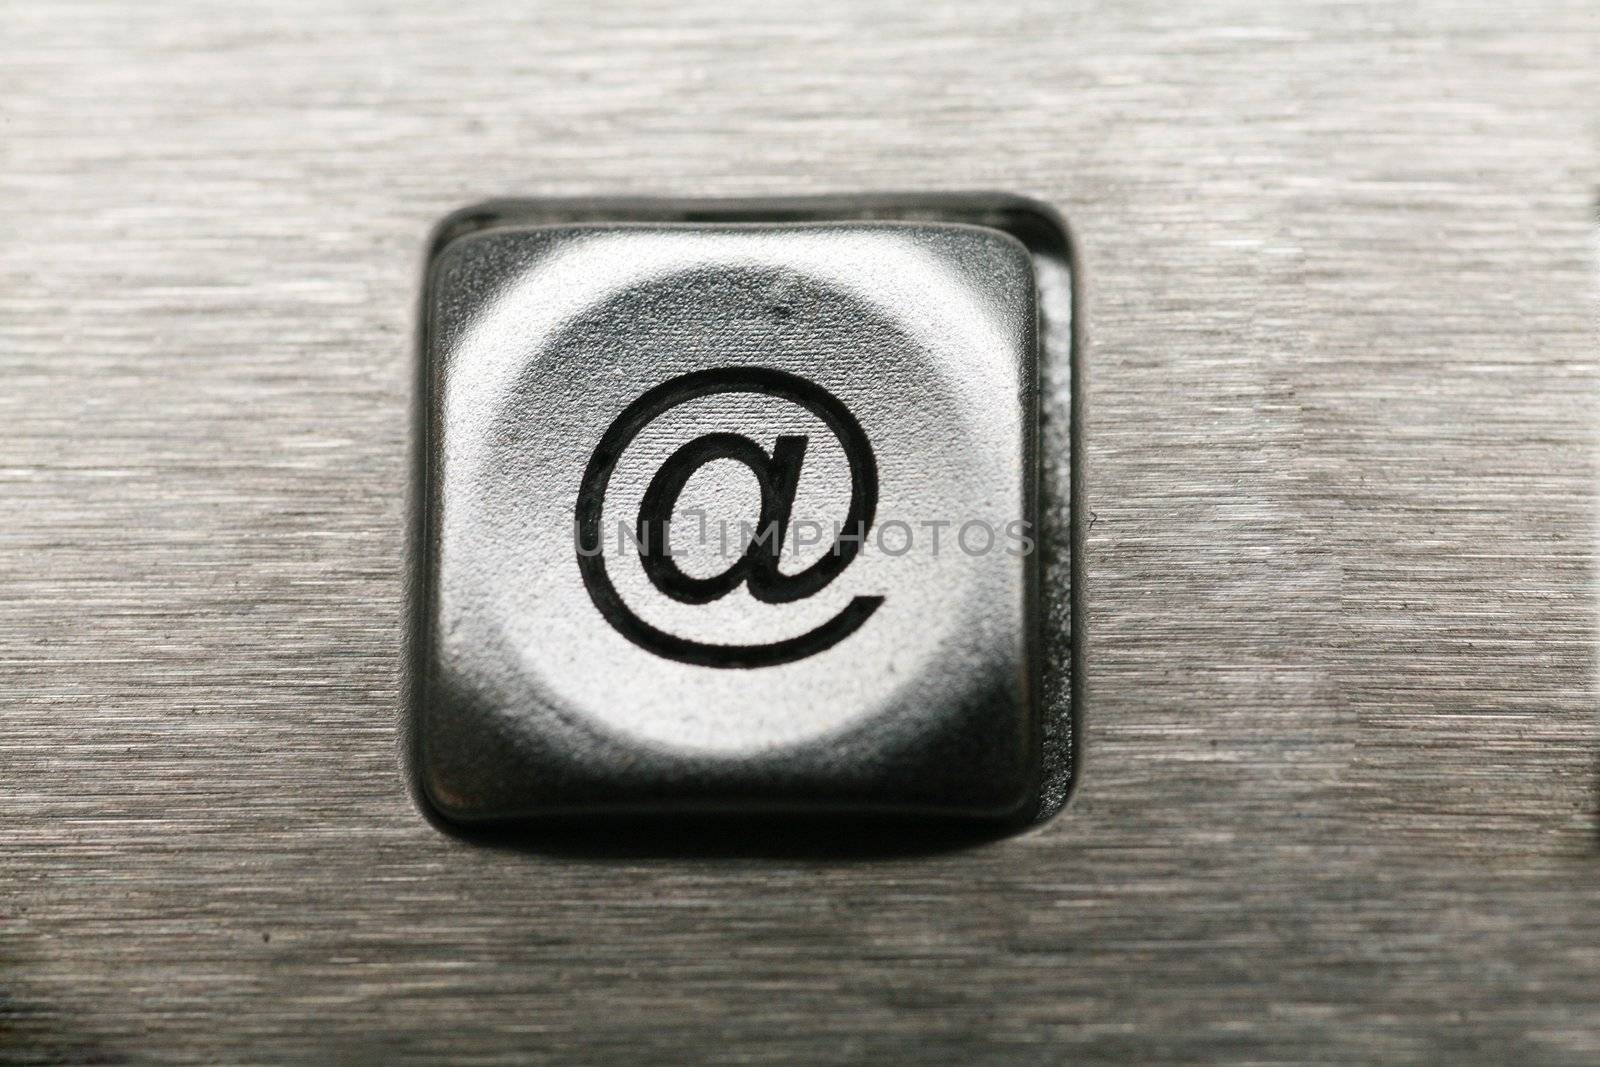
{"type": "Point", "coordinates": [778, 474]}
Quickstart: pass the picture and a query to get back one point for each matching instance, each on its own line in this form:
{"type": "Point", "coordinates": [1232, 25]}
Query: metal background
{"type": "Point", "coordinates": [1339, 795]}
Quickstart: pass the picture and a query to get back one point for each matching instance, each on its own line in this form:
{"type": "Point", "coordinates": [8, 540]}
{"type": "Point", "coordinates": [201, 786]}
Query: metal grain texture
{"type": "Point", "coordinates": [1338, 800]}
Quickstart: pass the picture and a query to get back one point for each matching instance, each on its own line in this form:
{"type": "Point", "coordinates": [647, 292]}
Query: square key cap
{"type": "Point", "coordinates": [728, 517]}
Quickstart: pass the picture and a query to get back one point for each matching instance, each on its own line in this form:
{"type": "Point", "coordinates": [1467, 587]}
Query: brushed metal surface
{"type": "Point", "coordinates": [557, 673]}
{"type": "Point", "coordinates": [1338, 800]}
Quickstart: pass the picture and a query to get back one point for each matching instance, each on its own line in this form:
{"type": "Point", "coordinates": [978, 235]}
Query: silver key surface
{"type": "Point", "coordinates": [729, 517]}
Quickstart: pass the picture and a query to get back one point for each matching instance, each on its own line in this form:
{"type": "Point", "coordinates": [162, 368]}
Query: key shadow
{"type": "Point", "coordinates": [817, 838]}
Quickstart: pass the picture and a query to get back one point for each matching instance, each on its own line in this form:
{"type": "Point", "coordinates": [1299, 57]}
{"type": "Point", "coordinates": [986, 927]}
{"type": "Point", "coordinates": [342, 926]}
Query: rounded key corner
{"type": "Point", "coordinates": [1010, 802]}
{"type": "Point", "coordinates": [435, 801]}
{"type": "Point", "coordinates": [463, 222]}
{"type": "Point", "coordinates": [455, 793]}
{"type": "Point", "coordinates": [1005, 240]}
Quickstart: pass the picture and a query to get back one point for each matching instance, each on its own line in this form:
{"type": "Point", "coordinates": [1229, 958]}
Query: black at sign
{"type": "Point", "coordinates": [777, 473]}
